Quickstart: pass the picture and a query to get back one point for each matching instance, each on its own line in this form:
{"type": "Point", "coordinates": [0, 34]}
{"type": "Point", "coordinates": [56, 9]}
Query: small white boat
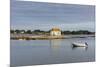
{"type": "Point", "coordinates": [80, 44]}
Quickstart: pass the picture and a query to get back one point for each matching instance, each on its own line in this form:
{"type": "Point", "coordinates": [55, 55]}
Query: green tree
{"type": "Point", "coordinates": [17, 31]}
{"type": "Point", "coordinates": [29, 32]}
{"type": "Point", "coordinates": [12, 31]}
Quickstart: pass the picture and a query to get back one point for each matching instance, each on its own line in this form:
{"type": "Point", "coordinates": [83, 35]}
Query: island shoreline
{"type": "Point", "coordinates": [45, 37]}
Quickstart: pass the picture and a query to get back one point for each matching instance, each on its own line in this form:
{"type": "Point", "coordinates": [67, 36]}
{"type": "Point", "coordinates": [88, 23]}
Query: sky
{"type": "Point", "coordinates": [44, 16]}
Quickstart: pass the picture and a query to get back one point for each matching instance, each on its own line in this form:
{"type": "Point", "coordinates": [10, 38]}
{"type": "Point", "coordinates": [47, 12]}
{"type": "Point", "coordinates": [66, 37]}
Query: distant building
{"type": "Point", "coordinates": [55, 32]}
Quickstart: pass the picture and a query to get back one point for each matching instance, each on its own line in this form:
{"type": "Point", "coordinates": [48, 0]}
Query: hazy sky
{"type": "Point", "coordinates": [44, 16]}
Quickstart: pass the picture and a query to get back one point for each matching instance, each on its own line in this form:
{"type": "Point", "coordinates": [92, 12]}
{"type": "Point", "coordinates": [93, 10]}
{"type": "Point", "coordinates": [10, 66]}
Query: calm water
{"type": "Point", "coordinates": [34, 52]}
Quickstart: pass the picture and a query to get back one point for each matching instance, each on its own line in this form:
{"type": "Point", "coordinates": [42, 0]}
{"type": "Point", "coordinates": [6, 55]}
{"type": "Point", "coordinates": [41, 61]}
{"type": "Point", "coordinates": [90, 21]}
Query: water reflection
{"type": "Point", "coordinates": [82, 48]}
{"type": "Point", "coordinates": [55, 46]}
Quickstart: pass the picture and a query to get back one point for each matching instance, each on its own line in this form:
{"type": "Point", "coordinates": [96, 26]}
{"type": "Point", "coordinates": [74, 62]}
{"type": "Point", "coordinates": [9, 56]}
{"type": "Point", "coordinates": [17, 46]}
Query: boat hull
{"type": "Point", "coordinates": [79, 45]}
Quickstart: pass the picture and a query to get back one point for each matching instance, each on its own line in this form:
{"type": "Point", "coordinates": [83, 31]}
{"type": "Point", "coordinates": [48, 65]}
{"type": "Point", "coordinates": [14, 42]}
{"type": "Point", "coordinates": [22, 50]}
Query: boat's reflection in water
{"type": "Point", "coordinates": [82, 48]}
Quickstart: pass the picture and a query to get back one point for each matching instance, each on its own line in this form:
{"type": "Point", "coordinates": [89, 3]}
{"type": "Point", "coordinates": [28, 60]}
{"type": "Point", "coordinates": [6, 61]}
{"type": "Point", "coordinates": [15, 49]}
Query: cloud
{"type": "Point", "coordinates": [37, 15]}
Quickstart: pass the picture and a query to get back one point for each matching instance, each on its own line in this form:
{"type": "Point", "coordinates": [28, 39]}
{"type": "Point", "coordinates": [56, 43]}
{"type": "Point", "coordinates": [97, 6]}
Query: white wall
{"type": "Point", "coordinates": [55, 33]}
